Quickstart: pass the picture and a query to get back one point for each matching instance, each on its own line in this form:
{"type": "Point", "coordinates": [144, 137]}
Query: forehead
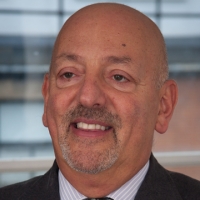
{"type": "Point", "coordinates": [107, 24]}
{"type": "Point", "coordinates": [93, 48]}
{"type": "Point", "coordinates": [96, 35]}
{"type": "Point", "coordinates": [100, 36]}
{"type": "Point", "coordinates": [105, 61]}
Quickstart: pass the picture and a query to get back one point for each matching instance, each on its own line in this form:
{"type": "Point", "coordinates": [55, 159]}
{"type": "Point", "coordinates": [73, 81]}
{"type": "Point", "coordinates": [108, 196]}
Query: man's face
{"type": "Point", "coordinates": [101, 104]}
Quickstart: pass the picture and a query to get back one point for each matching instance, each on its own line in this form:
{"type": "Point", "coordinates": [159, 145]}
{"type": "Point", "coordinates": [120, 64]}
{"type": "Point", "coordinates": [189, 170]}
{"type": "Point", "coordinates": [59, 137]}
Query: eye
{"type": "Point", "coordinates": [119, 78]}
{"type": "Point", "coordinates": [68, 75]}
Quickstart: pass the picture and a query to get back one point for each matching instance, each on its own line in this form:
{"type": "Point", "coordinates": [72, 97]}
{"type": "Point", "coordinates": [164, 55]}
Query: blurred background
{"type": "Point", "coordinates": [27, 34]}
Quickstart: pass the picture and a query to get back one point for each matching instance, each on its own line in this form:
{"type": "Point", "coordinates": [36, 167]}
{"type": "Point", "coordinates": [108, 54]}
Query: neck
{"type": "Point", "coordinates": [101, 184]}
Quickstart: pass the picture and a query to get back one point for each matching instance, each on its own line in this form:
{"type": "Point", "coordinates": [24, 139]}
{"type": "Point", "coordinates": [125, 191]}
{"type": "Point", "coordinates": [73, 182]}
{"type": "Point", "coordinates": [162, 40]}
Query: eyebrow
{"type": "Point", "coordinates": [70, 57]}
{"type": "Point", "coordinates": [118, 60]}
{"type": "Point", "coordinates": [108, 59]}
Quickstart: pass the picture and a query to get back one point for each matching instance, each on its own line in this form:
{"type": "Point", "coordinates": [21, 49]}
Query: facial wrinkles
{"type": "Point", "coordinates": [98, 160]}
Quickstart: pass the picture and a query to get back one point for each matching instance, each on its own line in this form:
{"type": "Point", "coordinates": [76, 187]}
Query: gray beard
{"type": "Point", "coordinates": [91, 161]}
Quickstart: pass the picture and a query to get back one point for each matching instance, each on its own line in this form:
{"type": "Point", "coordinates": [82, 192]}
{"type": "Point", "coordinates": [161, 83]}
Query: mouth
{"type": "Point", "coordinates": [90, 127]}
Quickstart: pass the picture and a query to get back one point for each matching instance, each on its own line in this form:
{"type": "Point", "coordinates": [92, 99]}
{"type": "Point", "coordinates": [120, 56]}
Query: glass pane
{"type": "Point", "coordinates": [181, 6]}
{"type": "Point", "coordinates": [28, 25]}
{"type": "Point", "coordinates": [180, 27]}
{"type": "Point", "coordinates": [24, 121]}
{"type": "Point", "coordinates": [27, 35]}
{"type": "Point", "coordinates": [143, 6]}
{"type": "Point", "coordinates": [37, 5]}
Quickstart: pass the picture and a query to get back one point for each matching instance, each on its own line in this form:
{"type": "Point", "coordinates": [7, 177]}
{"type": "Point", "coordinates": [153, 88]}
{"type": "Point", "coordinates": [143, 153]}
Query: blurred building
{"type": "Point", "coordinates": [27, 34]}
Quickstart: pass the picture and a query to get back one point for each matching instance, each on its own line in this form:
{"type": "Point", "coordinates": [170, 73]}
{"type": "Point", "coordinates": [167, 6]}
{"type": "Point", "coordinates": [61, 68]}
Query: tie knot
{"type": "Point", "coordinates": [103, 198]}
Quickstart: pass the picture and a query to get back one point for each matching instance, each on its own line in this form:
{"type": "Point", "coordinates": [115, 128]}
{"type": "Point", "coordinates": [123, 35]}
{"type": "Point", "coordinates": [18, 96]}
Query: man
{"type": "Point", "coordinates": [106, 92]}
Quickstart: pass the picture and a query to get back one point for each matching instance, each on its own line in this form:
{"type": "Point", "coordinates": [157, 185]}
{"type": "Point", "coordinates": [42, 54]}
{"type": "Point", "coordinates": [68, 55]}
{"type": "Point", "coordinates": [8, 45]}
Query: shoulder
{"type": "Point", "coordinates": [188, 187]}
{"type": "Point", "coordinates": [16, 191]}
{"type": "Point", "coordinates": [41, 187]}
{"type": "Point", "coordinates": [162, 184]}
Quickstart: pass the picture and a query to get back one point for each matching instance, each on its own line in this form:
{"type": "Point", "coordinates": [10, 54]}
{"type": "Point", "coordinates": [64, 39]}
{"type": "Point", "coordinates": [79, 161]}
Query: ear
{"type": "Point", "coordinates": [45, 93]}
{"type": "Point", "coordinates": [168, 100]}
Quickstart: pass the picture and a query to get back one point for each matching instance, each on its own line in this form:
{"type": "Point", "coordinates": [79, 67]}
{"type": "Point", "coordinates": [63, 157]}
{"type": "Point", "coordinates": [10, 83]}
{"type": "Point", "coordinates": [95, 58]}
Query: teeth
{"type": "Point", "coordinates": [82, 125]}
{"type": "Point", "coordinates": [85, 126]}
{"type": "Point", "coordinates": [103, 128]}
{"type": "Point", "coordinates": [97, 126]}
{"type": "Point", "coordinates": [91, 126]}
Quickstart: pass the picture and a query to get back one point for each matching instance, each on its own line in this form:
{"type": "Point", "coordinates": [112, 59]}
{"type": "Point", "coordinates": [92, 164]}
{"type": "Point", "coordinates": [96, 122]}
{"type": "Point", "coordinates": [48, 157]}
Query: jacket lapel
{"type": "Point", "coordinates": [45, 188]}
{"type": "Point", "coordinates": [157, 184]}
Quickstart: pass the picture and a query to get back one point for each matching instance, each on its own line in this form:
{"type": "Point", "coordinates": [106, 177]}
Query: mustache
{"type": "Point", "coordinates": [95, 113]}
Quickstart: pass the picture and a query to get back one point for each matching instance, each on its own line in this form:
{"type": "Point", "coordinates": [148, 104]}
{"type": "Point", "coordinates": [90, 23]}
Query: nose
{"type": "Point", "coordinates": [91, 93]}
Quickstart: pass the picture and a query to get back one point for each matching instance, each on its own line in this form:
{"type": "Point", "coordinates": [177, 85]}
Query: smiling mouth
{"type": "Point", "coordinates": [92, 127]}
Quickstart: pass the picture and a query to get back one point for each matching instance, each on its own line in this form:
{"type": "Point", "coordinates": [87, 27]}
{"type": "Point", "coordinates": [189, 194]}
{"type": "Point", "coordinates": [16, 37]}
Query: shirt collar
{"type": "Point", "coordinates": [126, 191]}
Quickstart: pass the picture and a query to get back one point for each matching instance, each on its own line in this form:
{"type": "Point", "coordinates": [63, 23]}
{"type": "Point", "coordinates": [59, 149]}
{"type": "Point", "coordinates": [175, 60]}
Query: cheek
{"type": "Point", "coordinates": [136, 136]}
{"type": "Point", "coordinates": [60, 100]}
{"type": "Point", "coordinates": [135, 127]}
{"type": "Point", "coordinates": [56, 108]}
{"type": "Point", "coordinates": [130, 110]}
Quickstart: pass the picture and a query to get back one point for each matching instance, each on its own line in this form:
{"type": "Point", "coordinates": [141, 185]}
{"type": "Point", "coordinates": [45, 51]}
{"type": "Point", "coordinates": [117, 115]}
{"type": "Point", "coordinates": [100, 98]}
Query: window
{"type": "Point", "coordinates": [27, 34]}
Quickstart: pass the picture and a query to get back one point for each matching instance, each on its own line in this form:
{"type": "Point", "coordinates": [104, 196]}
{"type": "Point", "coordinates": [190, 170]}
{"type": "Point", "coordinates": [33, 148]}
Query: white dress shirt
{"type": "Point", "coordinates": [126, 191]}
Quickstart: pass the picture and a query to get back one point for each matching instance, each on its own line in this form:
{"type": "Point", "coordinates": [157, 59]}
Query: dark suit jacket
{"type": "Point", "coordinates": [159, 184]}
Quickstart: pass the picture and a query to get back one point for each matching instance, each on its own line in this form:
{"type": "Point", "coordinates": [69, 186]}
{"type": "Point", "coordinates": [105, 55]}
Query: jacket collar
{"type": "Point", "coordinates": [157, 184]}
{"type": "Point", "coordinates": [45, 187]}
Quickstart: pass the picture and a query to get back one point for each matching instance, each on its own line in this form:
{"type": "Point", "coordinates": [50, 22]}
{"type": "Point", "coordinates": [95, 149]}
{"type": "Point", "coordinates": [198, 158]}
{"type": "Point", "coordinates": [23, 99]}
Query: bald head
{"type": "Point", "coordinates": [111, 23]}
{"type": "Point", "coordinates": [101, 103]}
